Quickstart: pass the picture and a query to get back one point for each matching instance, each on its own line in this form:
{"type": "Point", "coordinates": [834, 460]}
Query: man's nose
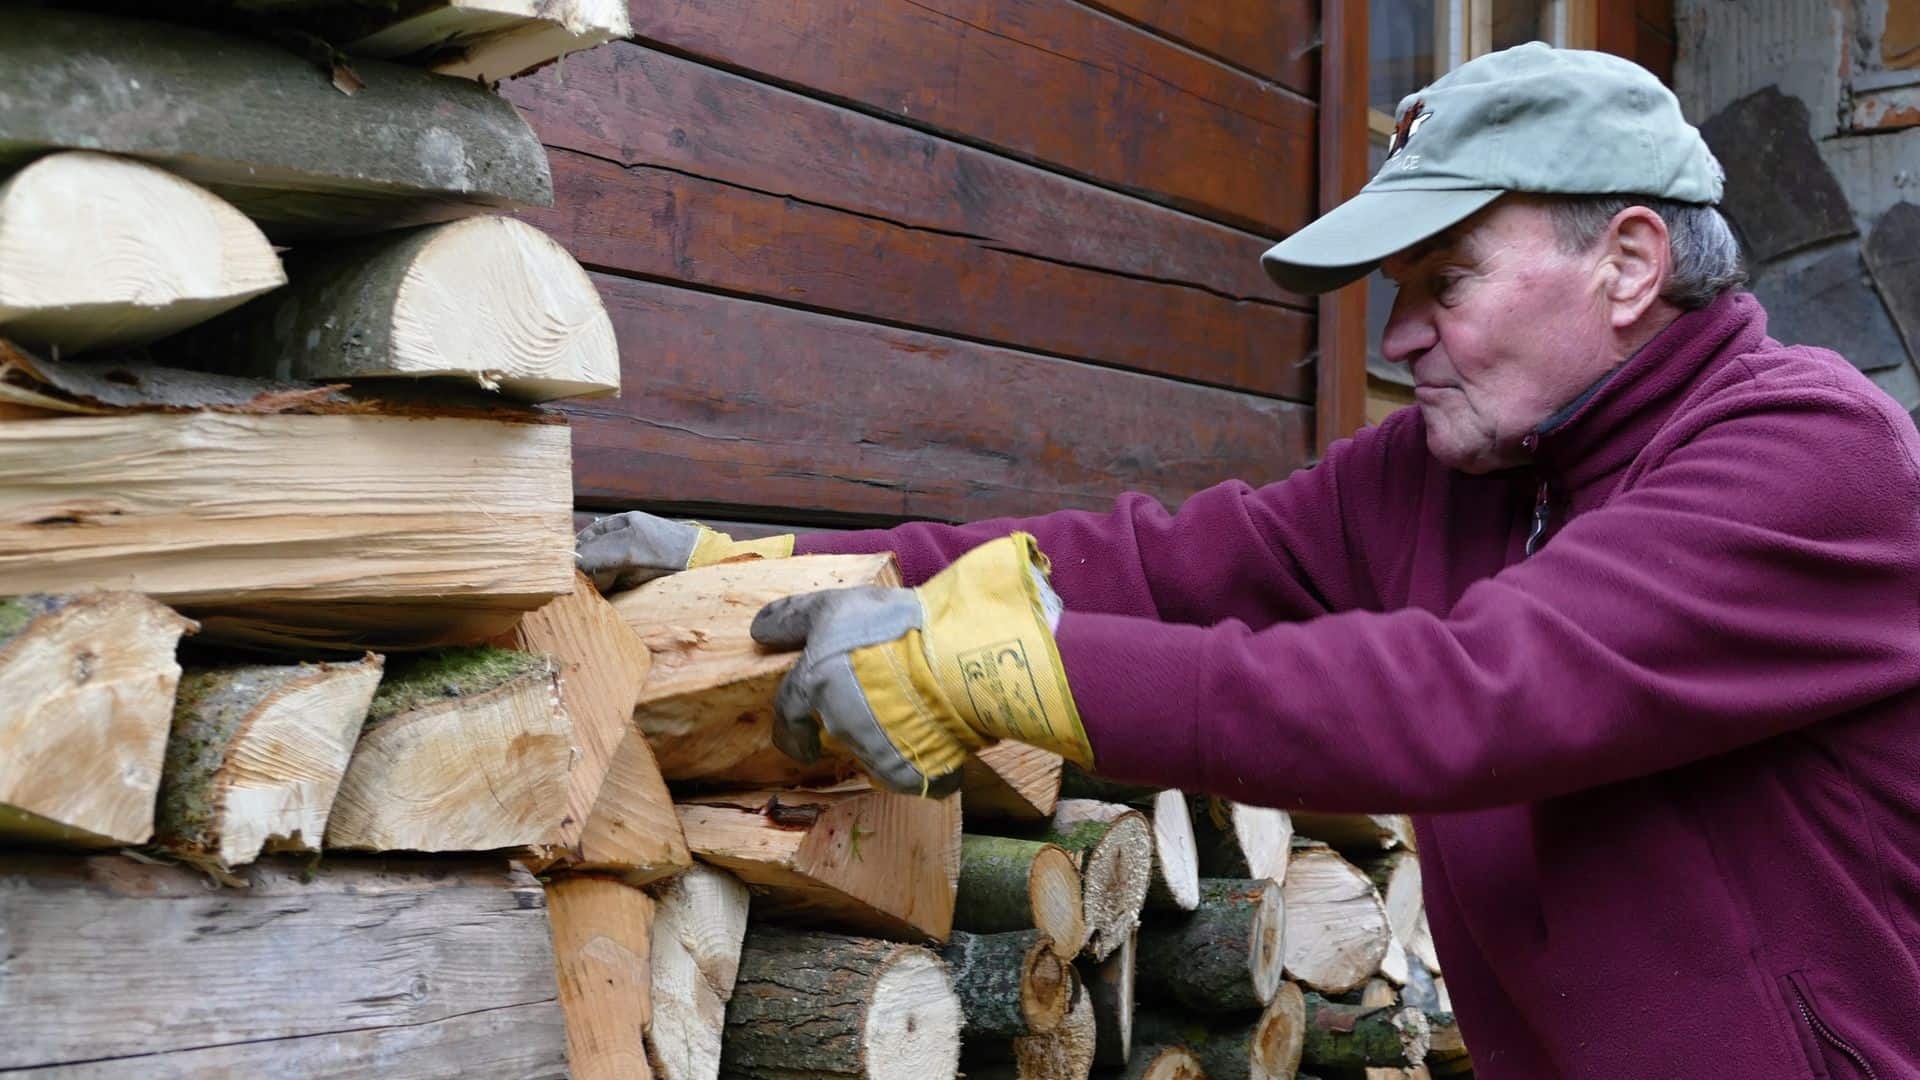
{"type": "Point", "coordinates": [1410, 330]}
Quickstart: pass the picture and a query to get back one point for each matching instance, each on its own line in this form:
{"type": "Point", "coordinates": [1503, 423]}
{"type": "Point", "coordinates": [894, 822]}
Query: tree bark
{"type": "Point", "coordinates": [812, 1005]}
{"type": "Point", "coordinates": [1362, 1036]}
{"type": "Point", "coordinates": [1065, 1053]}
{"type": "Point", "coordinates": [1011, 781]}
{"type": "Point", "coordinates": [707, 708]}
{"type": "Point", "coordinates": [851, 857]}
{"type": "Point", "coordinates": [1225, 957]}
{"type": "Point", "coordinates": [1008, 884]}
{"type": "Point", "coordinates": [1336, 933]}
{"type": "Point", "coordinates": [602, 945]}
{"type": "Point", "coordinates": [88, 684]}
{"type": "Point", "coordinates": [1266, 1047]}
{"type": "Point", "coordinates": [490, 300]}
{"type": "Point", "coordinates": [285, 146]}
{"type": "Point", "coordinates": [1116, 867]}
{"type": "Point", "coordinates": [463, 750]}
{"type": "Point", "coordinates": [256, 756]}
{"type": "Point", "coordinates": [1010, 985]}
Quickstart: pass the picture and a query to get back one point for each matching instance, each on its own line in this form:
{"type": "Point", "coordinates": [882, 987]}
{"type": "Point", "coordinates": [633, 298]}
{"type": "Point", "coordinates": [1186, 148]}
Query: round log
{"type": "Point", "coordinates": [1116, 861]}
{"type": "Point", "coordinates": [1164, 1063]}
{"type": "Point", "coordinates": [812, 1005]}
{"type": "Point", "coordinates": [1008, 884]}
{"type": "Point", "coordinates": [1010, 985]}
{"type": "Point", "coordinates": [1266, 1047]}
{"type": "Point", "coordinates": [1066, 1052]}
{"type": "Point", "coordinates": [1364, 1036]}
{"type": "Point", "coordinates": [1225, 957]}
{"type": "Point", "coordinates": [1239, 841]}
{"type": "Point", "coordinates": [1336, 926]}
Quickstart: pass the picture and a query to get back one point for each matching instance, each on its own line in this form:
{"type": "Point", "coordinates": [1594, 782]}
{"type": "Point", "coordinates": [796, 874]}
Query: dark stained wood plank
{"type": "Point", "coordinates": [664, 224]}
{"type": "Point", "coordinates": [1046, 80]}
{"type": "Point", "coordinates": [732, 407]}
{"type": "Point", "coordinates": [1342, 400]}
{"type": "Point", "coordinates": [638, 106]}
{"type": "Point", "coordinates": [1272, 38]}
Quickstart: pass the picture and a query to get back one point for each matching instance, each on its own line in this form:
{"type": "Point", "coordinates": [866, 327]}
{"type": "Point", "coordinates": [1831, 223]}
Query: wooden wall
{"type": "Point", "coordinates": [939, 259]}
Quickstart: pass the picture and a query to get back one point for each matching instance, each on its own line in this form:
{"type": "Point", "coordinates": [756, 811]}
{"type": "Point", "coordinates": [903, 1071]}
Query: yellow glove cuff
{"type": "Point", "coordinates": [988, 645]}
{"type": "Point", "coordinates": [714, 547]}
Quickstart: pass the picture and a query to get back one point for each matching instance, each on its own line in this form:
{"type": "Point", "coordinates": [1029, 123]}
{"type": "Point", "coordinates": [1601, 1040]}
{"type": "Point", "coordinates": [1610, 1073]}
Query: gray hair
{"type": "Point", "coordinates": [1706, 256]}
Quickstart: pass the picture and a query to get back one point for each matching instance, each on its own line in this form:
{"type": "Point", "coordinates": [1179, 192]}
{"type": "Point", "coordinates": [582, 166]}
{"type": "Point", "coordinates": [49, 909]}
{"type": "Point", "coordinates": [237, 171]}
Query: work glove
{"type": "Point", "coordinates": [911, 680]}
{"type": "Point", "coordinates": [621, 551]}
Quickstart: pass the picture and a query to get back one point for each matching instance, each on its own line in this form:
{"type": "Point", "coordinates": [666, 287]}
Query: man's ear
{"type": "Point", "coordinates": [1637, 263]}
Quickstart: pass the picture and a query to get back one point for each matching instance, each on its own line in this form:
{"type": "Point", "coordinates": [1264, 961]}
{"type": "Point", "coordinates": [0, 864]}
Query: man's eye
{"type": "Point", "coordinates": [1444, 286]}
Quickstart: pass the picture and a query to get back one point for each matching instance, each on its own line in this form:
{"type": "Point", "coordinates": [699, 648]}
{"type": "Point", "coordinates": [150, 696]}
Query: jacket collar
{"type": "Point", "coordinates": [1600, 432]}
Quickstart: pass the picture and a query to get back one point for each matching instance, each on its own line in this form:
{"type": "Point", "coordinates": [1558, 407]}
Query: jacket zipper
{"type": "Point", "coordinates": [1541, 509]}
{"type": "Point", "coordinates": [1828, 1035]}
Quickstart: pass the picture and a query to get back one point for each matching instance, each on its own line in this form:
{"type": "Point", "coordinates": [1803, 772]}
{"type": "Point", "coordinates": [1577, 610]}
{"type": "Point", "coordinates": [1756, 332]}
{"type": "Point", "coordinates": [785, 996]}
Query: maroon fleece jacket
{"type": "Point", "coordinates": [1665, 771]}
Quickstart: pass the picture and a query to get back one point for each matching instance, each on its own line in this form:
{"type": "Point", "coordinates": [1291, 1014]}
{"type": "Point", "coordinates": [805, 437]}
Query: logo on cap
{"type": "Point", "coordinates": [1411, 120]}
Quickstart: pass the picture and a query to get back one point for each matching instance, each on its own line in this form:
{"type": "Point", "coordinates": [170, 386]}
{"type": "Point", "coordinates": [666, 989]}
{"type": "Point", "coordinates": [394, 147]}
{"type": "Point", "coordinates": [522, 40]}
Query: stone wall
{"type": "Point", "coordinates": [1813, 107]}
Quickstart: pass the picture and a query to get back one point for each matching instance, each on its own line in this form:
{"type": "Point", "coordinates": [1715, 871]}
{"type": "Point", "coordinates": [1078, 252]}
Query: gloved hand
{"type": "Point", "coordinates": [912, 679]}
{"type": "Point", "coordinates": [621, 551]}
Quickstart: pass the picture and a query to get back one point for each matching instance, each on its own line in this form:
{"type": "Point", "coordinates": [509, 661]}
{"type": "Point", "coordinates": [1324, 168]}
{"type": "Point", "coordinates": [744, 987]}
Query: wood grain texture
{"type": "Point", "coordinates": [1341, 401]}
{"type": "Point", "coordinates": [112, 958]}
{"type": "Point", "coordinates": [602, 944]}
{"type": "Point", "coordinates": [1011, 781]}
{"type": "Point", "coordinates": [1270, 38]}
{"type": "Point", "coordinates": [662, 224]}
{"type": "Point", "coordinates": [641, 108]}
{"type": "Point", "coordinates": [749, 405]}
{"type": "Point", "coordinates": [1045, 80]}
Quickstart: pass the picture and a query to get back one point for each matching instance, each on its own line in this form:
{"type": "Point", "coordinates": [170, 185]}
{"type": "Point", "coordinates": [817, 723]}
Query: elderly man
{"type": "Point", "coordinates": [1626, 611]}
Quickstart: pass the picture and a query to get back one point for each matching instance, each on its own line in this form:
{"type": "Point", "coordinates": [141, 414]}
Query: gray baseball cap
{"type": "Point", "coordinates": [1530, 118]}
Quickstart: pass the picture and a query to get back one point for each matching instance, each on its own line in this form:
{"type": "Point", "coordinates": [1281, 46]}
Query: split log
{"type": "Point", "coordinates": [1378, 993]}
{"type": "Point", "coordinates": [1110, 984]}
{"type": "Point", "coordinates": [1176, 867]}
{"type": "Point", "coordinates": [1240, 841]}
{"type": "Point", "coordinates": [490, 300]}
{"type": "Point", "coordinates": [1011, 781]}
{"type": "Point", "coordinates": [463, 750]}
{"type": "Point", "coordinates": [1008, 884]}
{"type": "Point", "coordinates": [1226, 956]}
{"type": "Point", "coordinates": [1337, 928]}
{"type": "Point", "coordinates": [1357, 833]}
{"type": "Point", "coordinates": [1010, 985]}
{"type": "Point", "coordinates": [439, 148]}
{"type": "Point", "coordinates": [1446, 1051]}
{"type": "Point", "coordinates": [86, 697]}
{"type": "Point", "coordinates": [1116, 867]}
{"type": "Point", "coordinates": [821, 1005]}
{"type": "Point", "coordinates": [1266, 1047]}
{"type": "Point", "coordinates": [851, 857]}
{"type": "Point", "coordinates": [602, 946]}
{"type": "Point", "coordinates": [486, 40]}
{"type": "Point", "coordinates": [1422, 947]}
{"type": "Point", "coordinates": [620, 818]}
{"type": "Point", "coordinates": [1163, 1063]}
{"type": "Point", "coordinates": [329, 531]}
{"type": "Point", "coordinates": [1065, 1053]}
{"type": "Point", "coordinates": [707, 708]}
{"type": "Point", "coordinates": [97, 250]}
{"type": "Point", "coordinates": [698, 927]}
{"type": "Point", "coordinates": [404, 968]}
{"type": "Point", "coordinates": [256, 755]}
{"type": "Point", "coordinates": [1363, 1036]}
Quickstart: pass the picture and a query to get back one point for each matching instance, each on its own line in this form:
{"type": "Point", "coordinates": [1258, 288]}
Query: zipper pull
{"type": "Point", "coordinates": [1541, 511]}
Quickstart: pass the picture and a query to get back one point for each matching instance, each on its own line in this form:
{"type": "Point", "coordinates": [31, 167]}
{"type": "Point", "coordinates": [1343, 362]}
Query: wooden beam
{"type": "Point", "coordinates": [707, 707]}
{"type": "Point", "coordinates": [445, 147]}
{"type": "Point", "coordinates": [88, 683]}
{"type": "Point", "coordinates": [850, 857]}
{"type": "Point", "coordinates": [375, 969]}
{"type": "Point", "coordinates": [161, 254]}
{"type": "Point", "coordinates": [1340, 405]}
{"type": "Point", "coordinates": [334, 532]}
{"type": "Point", "coordinates": [489, 300]}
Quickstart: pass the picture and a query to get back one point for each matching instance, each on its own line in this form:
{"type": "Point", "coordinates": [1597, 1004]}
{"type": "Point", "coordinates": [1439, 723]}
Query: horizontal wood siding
{"type": "Point", "coordinates": [937, 259]}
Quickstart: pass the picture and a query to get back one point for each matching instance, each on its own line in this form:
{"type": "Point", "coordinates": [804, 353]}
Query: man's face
{"type": "Point", "coordinates": [1500, 329]}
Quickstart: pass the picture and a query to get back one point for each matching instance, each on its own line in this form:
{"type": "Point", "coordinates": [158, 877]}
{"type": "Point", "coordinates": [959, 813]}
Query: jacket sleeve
{"type": "Point", "coordinates": [1278, 552]}
{"type": "Point", "coordinates": [1759, 577]}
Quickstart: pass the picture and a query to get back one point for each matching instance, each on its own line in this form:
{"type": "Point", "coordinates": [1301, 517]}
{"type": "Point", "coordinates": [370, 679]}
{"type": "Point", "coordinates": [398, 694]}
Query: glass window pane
{"type": "Point", "coordinates": [1403, 54]}
{"type": "Point", "coordinates": [1516, 22]}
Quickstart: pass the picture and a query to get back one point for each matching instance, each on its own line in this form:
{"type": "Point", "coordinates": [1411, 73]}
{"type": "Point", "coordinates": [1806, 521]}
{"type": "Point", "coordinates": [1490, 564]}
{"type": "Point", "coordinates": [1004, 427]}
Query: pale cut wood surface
{"type": "Point", "coordinates": [1009, 884]}
{"type": "Point", "coordinates": [707, 707]}
{"type": "Point", "coordinates": [698, 928]}
{"type": "Point", "coordinates": [261, 126]}
{"type": "Point", "coordinates": [1011, 781]}
{"type": "Point", "coordinates": [490, 300]}
{"type": "Point", "coordinates": [111, 958]}
{"type": "Point", "coordinates": [1111, 985]}
{"type": "Point", "coordinates": [1115, 848]}
{"type": "Point", "coordinates": [474, 772]}
{"type": "Point", "coordinates": [602, 935]}
{"type": "Point", "coordinates": [339, 531]}
{"type": "Point", "coordinates": [1337, 932]}
{"type": "Point", "coordinates": [620, 818]}
{"type": "Point", "coordinates": [256, 756]}
{"type": "Point", "coordinates": [97, 250]}
{"type": "Point", "coordinates": [1240, 841]}
{"type": "Point", "coordinates": [490, 40]}
{"type": "Point", "coordinates": [86, 701]}
{"type": "Point", "coordinates": [1359, 833]}
{"type": "Point", "coordinates": [851, 857]}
